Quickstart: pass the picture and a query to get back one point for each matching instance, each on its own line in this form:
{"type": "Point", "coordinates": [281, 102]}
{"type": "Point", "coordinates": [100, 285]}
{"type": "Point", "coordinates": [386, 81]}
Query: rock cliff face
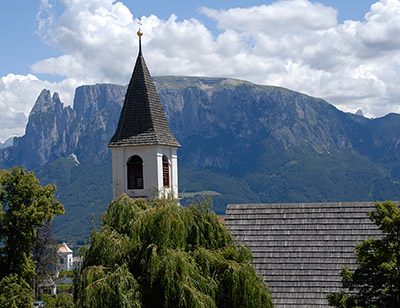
{"type": "Point", "coordinates": [235, 117]}
{"type": "Point", "coordinates": [379, 139]}
{"type": "Point", "coordinates": [54, 131]}
{"type": "Point", "coordinates": [47, 133]}
{"type": "Point", "coordinates": [220, 122]}
{"type": "Point", "coordinates": [224, 121]}
{"type": "Point", "coordinates": [244, 142]}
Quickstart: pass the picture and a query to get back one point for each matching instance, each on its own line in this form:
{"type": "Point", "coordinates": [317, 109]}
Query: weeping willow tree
{"type": "Point", "coordinates": [160, 254]}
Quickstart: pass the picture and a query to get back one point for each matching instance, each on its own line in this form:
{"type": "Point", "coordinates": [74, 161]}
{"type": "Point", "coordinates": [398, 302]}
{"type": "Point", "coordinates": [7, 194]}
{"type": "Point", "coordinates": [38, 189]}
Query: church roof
{"type": "Point", "coordinates": [300, 248]}
{"type": "Point", "coordinates": [142, 120]}
{"type": "Point", "coordinates": [64, 248]}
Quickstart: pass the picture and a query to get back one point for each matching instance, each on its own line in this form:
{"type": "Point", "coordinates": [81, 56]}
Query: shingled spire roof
{"type": "Point", "coordinates": [142, 120]}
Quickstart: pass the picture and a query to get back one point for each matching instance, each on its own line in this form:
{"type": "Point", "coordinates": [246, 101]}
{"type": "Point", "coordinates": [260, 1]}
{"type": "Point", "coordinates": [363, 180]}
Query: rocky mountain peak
{"type": "Point", "coordinates": [45, 102]}
{"type": "Point", "coordinates": [221, 123]}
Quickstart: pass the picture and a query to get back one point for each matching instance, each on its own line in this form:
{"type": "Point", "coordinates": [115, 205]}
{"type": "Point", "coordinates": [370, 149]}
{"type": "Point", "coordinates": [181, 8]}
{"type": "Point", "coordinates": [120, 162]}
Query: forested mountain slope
{"type": "Point", "coordinates": [241, 141]}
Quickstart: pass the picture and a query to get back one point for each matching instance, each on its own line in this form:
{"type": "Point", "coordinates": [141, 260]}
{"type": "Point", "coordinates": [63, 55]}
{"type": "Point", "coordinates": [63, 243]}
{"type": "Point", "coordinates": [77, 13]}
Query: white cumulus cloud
{"type": "Point", "coordinates": [296, 44]}
{"type": "Point", "coordinates": [281, 17]}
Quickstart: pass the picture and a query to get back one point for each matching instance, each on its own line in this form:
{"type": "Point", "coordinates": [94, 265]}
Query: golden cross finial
{"type": "Point", "coordinates": [139, 33]}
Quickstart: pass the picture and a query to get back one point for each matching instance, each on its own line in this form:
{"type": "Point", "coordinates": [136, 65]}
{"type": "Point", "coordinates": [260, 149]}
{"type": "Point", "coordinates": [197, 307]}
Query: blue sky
{"type": "Point", "coordinates": [347, 52]}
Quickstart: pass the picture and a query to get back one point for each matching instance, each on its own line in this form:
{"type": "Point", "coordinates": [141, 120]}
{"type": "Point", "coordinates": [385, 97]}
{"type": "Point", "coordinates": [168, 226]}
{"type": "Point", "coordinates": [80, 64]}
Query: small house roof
{"type": "Point", "coordinates": [47, 282]}
{"type": "Point", "coordinates": [64, 248]}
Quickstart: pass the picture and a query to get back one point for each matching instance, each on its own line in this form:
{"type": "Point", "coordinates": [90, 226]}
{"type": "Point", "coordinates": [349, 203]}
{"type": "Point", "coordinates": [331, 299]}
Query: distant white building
{"type": "Point", "coordinates": [47, 286]}
{"type": "Point", "coordinates": [65, 255]}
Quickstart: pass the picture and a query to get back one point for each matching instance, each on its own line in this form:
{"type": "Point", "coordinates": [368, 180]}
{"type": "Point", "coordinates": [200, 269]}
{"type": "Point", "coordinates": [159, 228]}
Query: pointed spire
{"type": "Point", "coordinates": [142, 120]}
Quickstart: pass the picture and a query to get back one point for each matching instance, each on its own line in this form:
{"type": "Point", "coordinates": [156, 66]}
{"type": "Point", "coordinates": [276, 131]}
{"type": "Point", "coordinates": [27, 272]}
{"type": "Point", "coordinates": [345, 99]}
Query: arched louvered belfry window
{"type": "Point", "coordinates": [165, 165]}
{"type": "Point", "coordinates": [135, 172]}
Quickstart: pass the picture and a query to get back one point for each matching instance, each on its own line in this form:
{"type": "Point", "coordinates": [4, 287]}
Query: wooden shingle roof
{"type": "Point", "coordinates": [300, 248]}
{"type": "Point", "coordinates": [142, 120]}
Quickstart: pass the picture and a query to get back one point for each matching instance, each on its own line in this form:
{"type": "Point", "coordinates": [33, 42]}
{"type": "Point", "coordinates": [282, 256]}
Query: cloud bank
{"type": "Point", "coordinates": [296, 44]}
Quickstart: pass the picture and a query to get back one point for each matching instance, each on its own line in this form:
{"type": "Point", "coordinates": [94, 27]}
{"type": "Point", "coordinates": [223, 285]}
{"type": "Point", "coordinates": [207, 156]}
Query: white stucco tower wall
{"type": "Point", "coordinates": [152, 156]}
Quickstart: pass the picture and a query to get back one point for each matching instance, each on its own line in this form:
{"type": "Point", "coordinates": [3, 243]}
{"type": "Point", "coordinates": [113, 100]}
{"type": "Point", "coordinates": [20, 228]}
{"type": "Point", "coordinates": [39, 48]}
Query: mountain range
{"type": "Point", "coordinates": [7, 143]}
{"type": "Point", "coordinates": [241, 143]}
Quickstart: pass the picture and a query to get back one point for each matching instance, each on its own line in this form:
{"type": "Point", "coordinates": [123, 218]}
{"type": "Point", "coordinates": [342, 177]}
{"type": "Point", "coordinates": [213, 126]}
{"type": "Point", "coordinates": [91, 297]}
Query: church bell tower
{"type": "Point", "coordinates": [144, 151]}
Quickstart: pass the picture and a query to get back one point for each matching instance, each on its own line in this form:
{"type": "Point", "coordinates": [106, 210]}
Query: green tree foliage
{"type": "Point", "coordinates": [160, 254]}
{"type": "Point", "coordinates": [24, 206]}
{"type": "Point", "coordinates": [376, 281]}
{"type": "Point", "coordinates": [15, 292]}
{"type": "Point", "coordinates": [63, 300]}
